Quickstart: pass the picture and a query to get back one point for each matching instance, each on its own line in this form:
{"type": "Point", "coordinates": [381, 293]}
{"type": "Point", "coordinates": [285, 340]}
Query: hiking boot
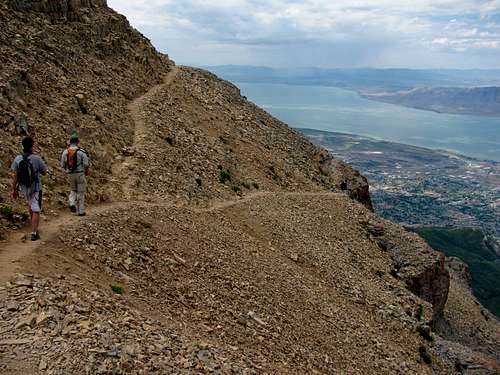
{"type": "Point", "coordinates": [72, 208]}
{"type": "Point", "coordinates": [35, 236]}
{"type": "Point", "coordinates": [81, 214]}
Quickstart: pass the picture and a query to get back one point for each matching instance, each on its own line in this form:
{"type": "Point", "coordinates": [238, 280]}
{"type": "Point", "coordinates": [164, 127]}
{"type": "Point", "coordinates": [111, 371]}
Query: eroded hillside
{"type": "Point", "coordinates": [274, 283]}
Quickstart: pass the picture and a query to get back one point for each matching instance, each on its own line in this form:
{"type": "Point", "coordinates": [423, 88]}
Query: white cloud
{"type": "Point", "coordinates": [378, 26]}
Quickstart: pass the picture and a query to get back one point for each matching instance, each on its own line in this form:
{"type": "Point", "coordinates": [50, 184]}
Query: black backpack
{"type": "Point", "coordinates": [26, 175]}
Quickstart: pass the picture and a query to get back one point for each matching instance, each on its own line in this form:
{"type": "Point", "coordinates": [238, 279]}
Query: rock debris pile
{"type": "Point", "coordinates": [275, 282]}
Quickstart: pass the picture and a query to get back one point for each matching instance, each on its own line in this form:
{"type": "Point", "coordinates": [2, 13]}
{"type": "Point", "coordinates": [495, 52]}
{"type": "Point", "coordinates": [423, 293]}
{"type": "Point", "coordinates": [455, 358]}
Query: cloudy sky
{"type": "Point", "coordinates": [323, 33]}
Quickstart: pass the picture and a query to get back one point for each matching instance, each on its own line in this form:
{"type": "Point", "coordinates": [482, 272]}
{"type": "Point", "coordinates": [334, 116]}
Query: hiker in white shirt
{"type": "Point", "coordinates": [75, 161]}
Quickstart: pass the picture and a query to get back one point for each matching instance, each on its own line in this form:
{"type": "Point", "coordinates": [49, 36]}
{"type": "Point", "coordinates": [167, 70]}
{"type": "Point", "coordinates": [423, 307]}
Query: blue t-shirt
{"type": "Point", "coordinates": [39, 166]}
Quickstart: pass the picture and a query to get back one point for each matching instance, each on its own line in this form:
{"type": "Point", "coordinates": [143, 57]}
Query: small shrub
{"type": "Point", "coordinates": [198, 181]}
{"type": "Point", "coordinates": [7, 212]}
{"type": "Point", "coordinates": [246, 185]}
{"type": "Point", "coordinates": [425, 355]}
{"type": "Point", "coordinates": [420, 313]}
{"type": "Point", "coordinates": [397, 265]}
{"type": "Point", "coordinates": [379, 273]}
{"type": "Point", "coordinates": [169, 140]}
{"type": "Point", "coordinates": [255, 185]}
{"type": "Point", "coordinates": [224, 176]}
{"type": "Point", "coordinates": [25, 215]}
{"type": "Point", "coordinates": [425, 332]}
{"type": "Point", "coordinates": [117, 288]}
{"type": "Point", "coordinates": [236, 188]}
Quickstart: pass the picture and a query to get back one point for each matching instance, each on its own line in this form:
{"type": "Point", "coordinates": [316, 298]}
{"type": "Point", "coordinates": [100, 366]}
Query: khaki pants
{"type": "Point", "coordinates": [78, 185]}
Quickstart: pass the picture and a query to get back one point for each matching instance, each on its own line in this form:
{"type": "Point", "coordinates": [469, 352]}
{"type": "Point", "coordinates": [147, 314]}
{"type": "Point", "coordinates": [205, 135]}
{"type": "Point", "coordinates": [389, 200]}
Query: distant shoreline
{"type": "Point", "coordinates": [374, 97]}
{"type": "Point", "coordinates": [449, 91]}
{"type": "Point", "coordinates": [380, 99]}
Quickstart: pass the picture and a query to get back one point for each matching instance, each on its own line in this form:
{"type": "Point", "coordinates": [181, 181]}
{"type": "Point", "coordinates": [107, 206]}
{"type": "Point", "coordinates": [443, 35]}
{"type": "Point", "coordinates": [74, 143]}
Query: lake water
{"type": "Point", "coordinates": [334, 109]}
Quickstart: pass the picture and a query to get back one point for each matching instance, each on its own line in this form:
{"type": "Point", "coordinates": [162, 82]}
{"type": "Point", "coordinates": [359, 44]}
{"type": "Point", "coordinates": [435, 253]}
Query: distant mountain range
{"type": "Point", "coordinates": [447, 90]}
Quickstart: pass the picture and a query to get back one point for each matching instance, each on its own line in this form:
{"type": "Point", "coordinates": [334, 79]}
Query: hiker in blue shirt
{"type": "Point", "coordinates": [26, 170]}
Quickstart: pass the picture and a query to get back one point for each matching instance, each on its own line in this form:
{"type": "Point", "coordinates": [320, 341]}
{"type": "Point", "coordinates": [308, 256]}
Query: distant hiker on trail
{"type": "Point", "coordinates": [75, 161]}
{"type": "Point", "coordinates": [26, 170]}
{"type": "Point", "coordinates": [343, 185]}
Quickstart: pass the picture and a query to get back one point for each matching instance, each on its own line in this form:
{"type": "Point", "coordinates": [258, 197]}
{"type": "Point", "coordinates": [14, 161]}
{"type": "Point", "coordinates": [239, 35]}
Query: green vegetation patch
{"type": "Point", "coordinates": [7, 212]}
{"type": "Point", "coordinates": [117, 288]}
{"type": "Point", "coordinates": [467, 244]}
{"type": "Point", "coordinates": [224, 176]}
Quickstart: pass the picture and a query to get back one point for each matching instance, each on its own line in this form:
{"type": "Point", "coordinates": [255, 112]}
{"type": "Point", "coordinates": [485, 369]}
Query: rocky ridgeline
{"type": "Point", "coordinates": [64, 74]}
{"type": "Point", "coordinates": [203, 140]}
{"type": "Point", "coordinates": [59, 10]}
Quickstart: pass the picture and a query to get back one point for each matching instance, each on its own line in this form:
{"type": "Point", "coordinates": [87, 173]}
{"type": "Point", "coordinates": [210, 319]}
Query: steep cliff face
{"type": "Point", "coordinates": [422, 269]}
{"type": "Point", "coordinates": [470, 334]}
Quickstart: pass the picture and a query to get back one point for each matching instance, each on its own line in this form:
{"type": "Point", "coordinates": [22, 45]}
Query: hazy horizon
{"type": "Point", "coordinates": [429, 34]}
{"type": "Point", "coordinates": [350, 68]}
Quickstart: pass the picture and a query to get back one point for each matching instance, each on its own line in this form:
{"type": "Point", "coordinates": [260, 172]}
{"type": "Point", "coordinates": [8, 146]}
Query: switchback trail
{"type": "Point", "coordinates": [18, 245]}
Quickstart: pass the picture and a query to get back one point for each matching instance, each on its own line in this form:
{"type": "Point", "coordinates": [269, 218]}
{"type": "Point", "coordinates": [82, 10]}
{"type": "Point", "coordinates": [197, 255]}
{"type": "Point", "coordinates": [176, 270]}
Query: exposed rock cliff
{"type": "Point", "coordinates": [470, 333]}
{"type": "Point", "coordinates": [422, 268]}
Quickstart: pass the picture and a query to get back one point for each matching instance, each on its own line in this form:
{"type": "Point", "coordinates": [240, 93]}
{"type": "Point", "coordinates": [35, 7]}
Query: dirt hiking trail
{"type": "Point", "coordinates": [125, 170]}
{"type": "Point", "coordinates": [19, 245]}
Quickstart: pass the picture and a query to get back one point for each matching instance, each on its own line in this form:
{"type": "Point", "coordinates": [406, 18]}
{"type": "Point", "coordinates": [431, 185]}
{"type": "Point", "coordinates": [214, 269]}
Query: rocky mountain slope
{"type": "Point", "coordinates": [220, 248]}
{"type": "Point", "coordinates": [70, 66]}
{"type": "Point", "coordinates": [75, 68]}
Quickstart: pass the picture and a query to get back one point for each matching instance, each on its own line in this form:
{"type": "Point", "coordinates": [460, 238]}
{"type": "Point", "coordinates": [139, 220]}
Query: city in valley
{"type": "Point", "coordinates": [415, 186]}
